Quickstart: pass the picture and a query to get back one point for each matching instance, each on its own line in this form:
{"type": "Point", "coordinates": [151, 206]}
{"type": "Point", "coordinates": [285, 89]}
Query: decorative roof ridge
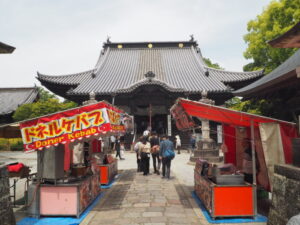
{"type": "Point", "coordinates": [199, 60]}
{"type": "Point", "coordinates": [147, 81]}
{"type": "Point", "coordinates": [230, 71]}
{"type": "Point", "coordinates": [102, 57]}
{"type": "Point", "coordinates": [154, 48]}
{"type": "Point", "coordinates": [145, 44]}
{"type": "Point", "coordinates": [4, 88]}
{"type": "Point", "coordinates": [100, 63]}
{"type": "Point", "coordinates": [66, 75]}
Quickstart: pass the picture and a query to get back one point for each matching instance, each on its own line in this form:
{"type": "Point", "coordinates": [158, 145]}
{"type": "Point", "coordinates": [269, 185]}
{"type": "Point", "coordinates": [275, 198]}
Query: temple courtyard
{"type": "Point", "coordinates": [137, 199]}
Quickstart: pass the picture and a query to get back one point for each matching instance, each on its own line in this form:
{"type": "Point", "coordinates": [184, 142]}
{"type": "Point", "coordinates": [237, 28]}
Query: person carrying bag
{"type": "Point", "coordinates": [154, 141]}
{"type": "Point", "coordinates": [144, 150]}
{"type": "Point", "coordinates": [166, 154]}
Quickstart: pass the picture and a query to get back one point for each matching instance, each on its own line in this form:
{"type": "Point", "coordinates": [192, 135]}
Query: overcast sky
{"type": "Point", "coordinates": [65, 36]}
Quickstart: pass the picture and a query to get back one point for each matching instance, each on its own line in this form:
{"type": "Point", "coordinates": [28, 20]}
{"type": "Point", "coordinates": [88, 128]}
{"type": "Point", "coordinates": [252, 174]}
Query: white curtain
{"type": "Point", "coordinates": [272, 146]}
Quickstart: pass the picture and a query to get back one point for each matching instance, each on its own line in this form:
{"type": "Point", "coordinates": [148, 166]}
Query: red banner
{"type": "Point", "coordinates": [70, 125]}
{"type": "Point", "coordinates": [183, 120]}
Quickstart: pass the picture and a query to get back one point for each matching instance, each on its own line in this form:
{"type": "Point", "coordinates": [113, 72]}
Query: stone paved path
{"type": "Point", "coordinates": [148, 200]}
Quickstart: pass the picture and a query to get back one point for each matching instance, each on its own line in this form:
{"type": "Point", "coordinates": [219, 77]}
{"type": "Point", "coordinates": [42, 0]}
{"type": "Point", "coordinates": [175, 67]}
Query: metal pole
{"type": "Point", "coordinates": [150, 119]}
{"type": "Point", "coordinates": [113, 99]}
{"type": "Point", "coordinates": [253, 166]}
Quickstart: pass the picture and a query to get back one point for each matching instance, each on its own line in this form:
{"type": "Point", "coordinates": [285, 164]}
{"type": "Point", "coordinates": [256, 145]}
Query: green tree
{"type": "Point", "coordinates": [45, 95]}
{"type": "Point", "coordinates": [260, 107]}
{"type": "Point", "coordinates": [209, 63]}
{"type": "Point", "coordinates": [278, 17]}
{"type": "Point", "coordinates": [47, 104]}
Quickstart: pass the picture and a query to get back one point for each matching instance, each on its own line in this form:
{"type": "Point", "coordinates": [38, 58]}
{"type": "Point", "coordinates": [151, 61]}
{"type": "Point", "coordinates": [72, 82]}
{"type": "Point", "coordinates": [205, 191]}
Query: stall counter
{"type": "Point", "coordinates": [68, 199]}
{"type": "Point", "coordinates": [225, 200]}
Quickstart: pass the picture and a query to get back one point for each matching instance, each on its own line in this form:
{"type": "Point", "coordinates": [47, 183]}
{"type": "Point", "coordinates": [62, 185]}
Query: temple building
{"type": "Point", "coordinates": [145, 79]}
{"type": "Point", "coordinates": [6, 49]}
{"type": "Point", "coordinates": [12, 98]}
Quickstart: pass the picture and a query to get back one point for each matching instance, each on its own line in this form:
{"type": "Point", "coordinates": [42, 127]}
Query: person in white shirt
{"type": "Point", "coordinates": [146, 133]}
{"type": "Point", "coordinates": [144, 155]}
{"type": "Point", "coordinates": [178, 143]}
{"type": "Point", "coordinates": [112, 142]}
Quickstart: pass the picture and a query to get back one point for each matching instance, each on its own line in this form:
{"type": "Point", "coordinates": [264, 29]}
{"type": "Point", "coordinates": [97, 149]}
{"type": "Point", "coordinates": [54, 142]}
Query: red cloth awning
{"type": "Point", "coordinates": [220, 114]}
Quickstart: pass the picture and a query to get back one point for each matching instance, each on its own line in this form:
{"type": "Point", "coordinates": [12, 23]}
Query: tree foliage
{"type": "Point", "coordinates": [47, 104]}
{"type": "Point", "coordinates": [45, 95]}
{"type": "Point", "coordinates": [277, 18]}
{"type": "Point", "coordinates": [209, 63]}
{"type": "Point", "coordinates": [259, 107]}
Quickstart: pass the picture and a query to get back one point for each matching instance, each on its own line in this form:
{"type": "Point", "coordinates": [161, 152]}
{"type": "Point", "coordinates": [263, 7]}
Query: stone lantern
{"type": "Point", "coordinates": [206, 148]}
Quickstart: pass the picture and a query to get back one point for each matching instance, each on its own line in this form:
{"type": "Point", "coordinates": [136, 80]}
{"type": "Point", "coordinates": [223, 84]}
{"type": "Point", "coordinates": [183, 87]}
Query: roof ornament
{"type": "Point", "coordinates": [150, 75]}
{"type": "Point", "coordinates": [206, 72]}
{"type": "Point", "coordinates": [108, 39]}
{"type": "Point", "coordinates": [192, 38]}
{"type": "Point", "coordinates": [229, 88]}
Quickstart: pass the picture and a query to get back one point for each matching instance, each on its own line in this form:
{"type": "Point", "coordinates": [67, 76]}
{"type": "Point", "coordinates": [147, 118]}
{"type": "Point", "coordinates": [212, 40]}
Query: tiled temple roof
{"type": "Point", "coordinates": [178, 66]}
{"type": "Point", "coordinates": [4, 48]}
{"type": "Point", "coordinates": [274, 78]}
{"type": "Point", "coordinates": [12, 98]}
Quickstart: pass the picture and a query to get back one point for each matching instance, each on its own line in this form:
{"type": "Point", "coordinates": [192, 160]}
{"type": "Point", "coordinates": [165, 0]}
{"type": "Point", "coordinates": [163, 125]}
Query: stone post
{"type": "Point", "coordinates": [206, 147]}
{"type": "Point", "coordinates": [92, 99]}
{"type": "Point", "coordinates": [7, 216]}
{"type": "Point", "coordinates": [285, 194]}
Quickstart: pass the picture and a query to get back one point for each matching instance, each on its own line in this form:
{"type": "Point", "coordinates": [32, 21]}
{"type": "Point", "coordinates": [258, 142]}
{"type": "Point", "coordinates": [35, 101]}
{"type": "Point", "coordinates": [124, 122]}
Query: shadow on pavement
{"type": "Point", "coordinates": [183, 198]}
{"type": "Point", "coordinates": [117, 193]}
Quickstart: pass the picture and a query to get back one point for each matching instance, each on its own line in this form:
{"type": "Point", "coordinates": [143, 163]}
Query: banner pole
{"type": "Point", "coordinates": [253, 166]}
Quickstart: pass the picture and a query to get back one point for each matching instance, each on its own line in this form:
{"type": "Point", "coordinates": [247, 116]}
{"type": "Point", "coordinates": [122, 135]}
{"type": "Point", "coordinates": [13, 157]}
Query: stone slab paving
{"type": "Point", "coordinates": [148, 200]}
{"type": "Point", "coordinates": [136, 199]}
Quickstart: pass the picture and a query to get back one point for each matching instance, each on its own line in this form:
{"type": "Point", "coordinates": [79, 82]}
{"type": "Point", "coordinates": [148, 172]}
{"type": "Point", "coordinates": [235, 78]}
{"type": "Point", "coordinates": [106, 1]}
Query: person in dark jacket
{"type": "Point", "coordinates": [166, 162]}
{"type": "Point", "coordinates": [154, 142]}
{"type": "Point", "coordinates": [247, 161]}
{"type": "Point", "coordinates": [118, 148]}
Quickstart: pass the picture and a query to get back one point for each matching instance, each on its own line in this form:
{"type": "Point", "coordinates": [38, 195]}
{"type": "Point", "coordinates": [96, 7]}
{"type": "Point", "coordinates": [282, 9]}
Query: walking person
{"type": "Point", "coordinates": [144, 154]}
{"type": "Point", "coordinates": [122, 149]}
{"type": "Point", "coordinates": [177, 143]}
{"type": "Point", "coordinates": [118, 147]}
{"type": "Point", "coordinates": [138, 158]}
{"type": "Point", "coordinates": [112, 142]}
{"type": "Point", "coordinates": [166, 145]}
{"type": "Point", "coordinates": [193, 143]}
{"type": "Point", "coordinates": [154, 142]}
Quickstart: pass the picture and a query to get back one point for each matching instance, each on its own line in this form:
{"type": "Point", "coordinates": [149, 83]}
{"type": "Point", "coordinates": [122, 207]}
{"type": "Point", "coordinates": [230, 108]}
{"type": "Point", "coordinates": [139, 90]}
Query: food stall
{"type": "Point", "coordinates": [221, 188]}
{"type": "Point", "coordinates": [70, 153]}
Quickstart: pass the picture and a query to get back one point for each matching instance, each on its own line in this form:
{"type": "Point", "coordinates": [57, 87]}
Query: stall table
{"type": "Point", "coordinates": [68, 199]}
{"type": "Point", "coordinates": [225, 200]}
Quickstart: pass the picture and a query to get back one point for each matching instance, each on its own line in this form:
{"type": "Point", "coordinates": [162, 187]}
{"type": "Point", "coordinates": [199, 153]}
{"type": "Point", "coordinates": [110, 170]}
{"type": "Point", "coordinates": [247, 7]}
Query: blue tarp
{"type": "Point", "coordinates": [103, 186]}
{"type": "Point", "coordinates": [66, 220]}
{"type": "Point", "coordinates": [258, 219]}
